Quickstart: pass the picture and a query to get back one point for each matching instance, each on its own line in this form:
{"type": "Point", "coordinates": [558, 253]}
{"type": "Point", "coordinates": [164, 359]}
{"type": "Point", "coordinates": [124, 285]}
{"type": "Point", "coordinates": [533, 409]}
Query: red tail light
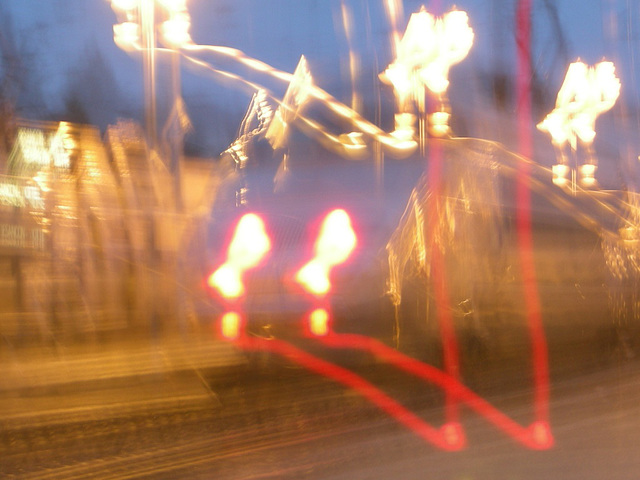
{"type": "Point", "coordinates": [334, 245]}
{"type": "Point", "coordinates": [248, 247]}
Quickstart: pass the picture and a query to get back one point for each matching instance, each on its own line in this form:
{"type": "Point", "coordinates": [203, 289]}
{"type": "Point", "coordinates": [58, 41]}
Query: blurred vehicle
{"type": "Point", "coordinates": [315, 230]}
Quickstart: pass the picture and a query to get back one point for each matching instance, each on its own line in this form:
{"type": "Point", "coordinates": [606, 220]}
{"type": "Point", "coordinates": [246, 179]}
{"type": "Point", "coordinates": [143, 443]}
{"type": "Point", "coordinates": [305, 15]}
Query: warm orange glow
{"type": "Point", "coordinates": [399, 76]}
{"type": "Point", "coordinates": [585, 93]}
{"type": "Point", "coordinates": [231, 325]}
{"type": "Point", "coordinates": [587, 175]}
{"type": "Point", "coordinates": [394, 12]}
{"type": "Point", "coordinates": [334, 245]}
{"type": "Point", "coordinates": [453, 40]}
{"type": "Point", "coordinates": [560, 173]}
{"type": "Point", "coordinates": [428, 49]}
{"type": "Point", "coordinates": [175, 31]}
{"type": "Point", "coordinates": [126, 35]}
{"type": "Point", "coordinates": [248, 247]}
{"type": "Point", "coordinates": [439, 123]}
{"type": "Point", "coordinates": [291, 106]}
{"type": "Point", "coordinates": [319, 322]}
{"type": "Point", "coordinates": [295, 97]}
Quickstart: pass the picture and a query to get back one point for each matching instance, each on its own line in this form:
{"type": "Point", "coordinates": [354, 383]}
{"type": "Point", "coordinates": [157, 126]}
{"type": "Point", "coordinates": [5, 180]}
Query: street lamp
{"type": "Point", "coordinates": [138, 31]}
{"type": "Point", "coordinates": [585, 93]}
{"type": "Point", "coordinates": [426, 52]}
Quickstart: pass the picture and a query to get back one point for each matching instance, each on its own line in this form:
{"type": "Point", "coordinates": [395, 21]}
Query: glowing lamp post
{"type": "Point", "coordinates": [140, 15]}
{"type": "Point", "coordinates": [426, 52]}
{"type": "Point", "coordinates": [138, 32]}
{"type": "Point", "coordinates": [585, 93]}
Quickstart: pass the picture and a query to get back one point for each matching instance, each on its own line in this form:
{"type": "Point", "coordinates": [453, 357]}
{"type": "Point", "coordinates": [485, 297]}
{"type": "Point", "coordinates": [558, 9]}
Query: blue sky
{"type": "Point", "coordinates": [279, 31]}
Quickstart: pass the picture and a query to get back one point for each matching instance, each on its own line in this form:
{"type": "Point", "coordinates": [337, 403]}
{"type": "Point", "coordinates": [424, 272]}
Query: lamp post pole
{"type": "Point", "coordinates": [139, 32]}
{"type": "Point", "coordinates": [147, 21]}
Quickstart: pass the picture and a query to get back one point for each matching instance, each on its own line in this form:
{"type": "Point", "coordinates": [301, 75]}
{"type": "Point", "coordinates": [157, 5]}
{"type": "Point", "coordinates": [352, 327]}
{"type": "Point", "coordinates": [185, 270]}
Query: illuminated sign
{"type": "Point", "coordinates": [39, 149]}
{"type": "Point", "coordinates": [13, 195]}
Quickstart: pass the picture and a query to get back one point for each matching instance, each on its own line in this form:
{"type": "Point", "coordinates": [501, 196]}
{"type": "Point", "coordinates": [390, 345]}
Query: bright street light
{"type": "Point", "coordinates": [426, 52]}
{"type": "Point", "coordinates": [142, 21]}
{"type": "Point", "coordinates": [585, 93]}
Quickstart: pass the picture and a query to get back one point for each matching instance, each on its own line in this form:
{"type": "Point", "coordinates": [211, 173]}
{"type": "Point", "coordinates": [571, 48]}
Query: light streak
{"type": "Point", "coordinates": [294, 99]}
{"type": "Point", "coordinates": [523, 215]}
{"type": "Point", "coordinates": [428, 49]}
{"type": "Point", "coordinates": [175, 31]}
{"type": "Point", "coordinates": [536, 435]}
{"type": "Point", "coordinates": [126, 36]}
{"type": "Point", "coordinates": [445, 320]}
{"type": "Point", "coordinates": [450, 436]}
{"type": "Point", "coordinates": [440, 437]}
{"type": "Point", "coordinates": [17, 192]}
{"type": "Point", "coordinates": [232, 325]}
{"type": "Point", "coordinates": [393, 9]}
{"type": "Point", "coordinates": [424, 56]}
{"type": "Point", "coordinates": [354, 61]}
{"type": "Point", "coordinates": [391, 144]}
{"type": "Point", "coordinates": [36, 149]}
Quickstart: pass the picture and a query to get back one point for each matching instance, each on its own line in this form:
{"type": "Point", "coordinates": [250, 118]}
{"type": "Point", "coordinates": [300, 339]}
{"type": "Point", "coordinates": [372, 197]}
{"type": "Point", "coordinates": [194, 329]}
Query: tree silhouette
{"type": "Point", "coordinates": [92, 95]}
{"type": "Point", "coordinates": [19, 92]}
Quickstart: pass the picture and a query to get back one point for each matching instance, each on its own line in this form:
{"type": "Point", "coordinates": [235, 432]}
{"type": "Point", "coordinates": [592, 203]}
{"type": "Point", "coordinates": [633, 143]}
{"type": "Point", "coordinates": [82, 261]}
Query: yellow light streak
{"type": "Point", "coordinates": [354, 61]}
{"type": "Point", "coordinates": [227, 281]}
{"type": "Point", "coordinates": [319, 322]}
{"type": "Point", "coordinates": [231, 325]}
{"type": "Point", "coordinates": [295, 97]}
{"type": "Point", "coordinates": [439, 123]}
{"type": "Point", "coordinates": [392, 145]}
{"type": "Point", "coordinates": [393, 9]}
{"type": "Point", "coordinates": [250, 242]}
{"type": "Point", "coordinates": [314, 277]}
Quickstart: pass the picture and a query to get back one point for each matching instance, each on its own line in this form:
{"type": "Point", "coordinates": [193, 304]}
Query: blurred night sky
{"type": "Point", "coordinates": [65, 36]}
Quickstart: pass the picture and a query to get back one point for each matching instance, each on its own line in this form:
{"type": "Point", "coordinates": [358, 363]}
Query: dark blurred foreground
{"type": "Point", "coordinates": [184, 404]}
{"type": "Point", "coordinates": [113, 366]}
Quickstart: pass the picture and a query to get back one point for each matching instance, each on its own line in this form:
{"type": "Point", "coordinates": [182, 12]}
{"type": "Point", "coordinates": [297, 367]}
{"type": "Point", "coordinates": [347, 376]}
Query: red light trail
{"type": "Point", "coordinates": [523, 221]}
{"type": "Point", "coordinates": [445, 438]}
{"type": "Point", "coordinates": [450, 436]}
